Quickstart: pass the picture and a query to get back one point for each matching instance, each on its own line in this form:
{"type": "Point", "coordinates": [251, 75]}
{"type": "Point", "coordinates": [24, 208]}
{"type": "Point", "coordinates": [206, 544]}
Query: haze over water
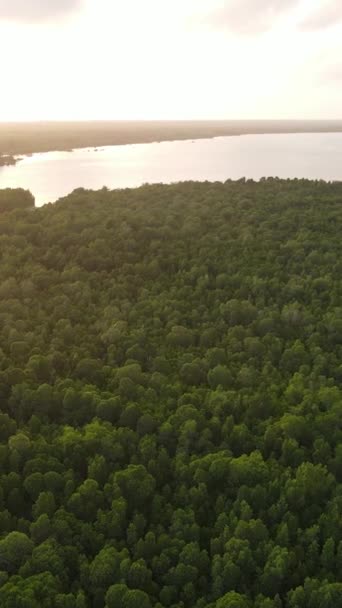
{"type": "Point", "coordinates": [54, 174]}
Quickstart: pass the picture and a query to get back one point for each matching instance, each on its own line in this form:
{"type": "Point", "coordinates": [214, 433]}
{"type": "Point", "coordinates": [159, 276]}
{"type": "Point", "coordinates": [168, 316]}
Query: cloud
{"type": "Point", "coordinates": [36, 11]}
{"type": "Point", "coordinates": [327, 15]}
{"type": "Point", "coordinates": [247, 16]}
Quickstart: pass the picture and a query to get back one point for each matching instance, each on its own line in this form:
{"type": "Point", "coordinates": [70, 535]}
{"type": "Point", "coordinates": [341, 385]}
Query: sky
{"type": "Point", "coordinates": [170, 59]}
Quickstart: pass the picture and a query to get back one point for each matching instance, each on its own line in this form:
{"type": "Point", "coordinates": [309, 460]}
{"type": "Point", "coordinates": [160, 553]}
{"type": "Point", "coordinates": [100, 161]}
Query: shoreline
{"type": "Point", "coordinates": [33, 138]}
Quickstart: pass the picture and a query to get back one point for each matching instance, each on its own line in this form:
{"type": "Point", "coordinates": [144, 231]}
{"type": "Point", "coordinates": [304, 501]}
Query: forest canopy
{"type": "Point", "coordinates": [170, 386]}
{"type": "Point", "coordinates": [15, 198]}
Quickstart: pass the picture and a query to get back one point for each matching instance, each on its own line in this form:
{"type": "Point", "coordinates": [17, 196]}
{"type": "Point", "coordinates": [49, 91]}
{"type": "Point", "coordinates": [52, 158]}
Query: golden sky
{"type": "Point", "coordinates": [170, 59]}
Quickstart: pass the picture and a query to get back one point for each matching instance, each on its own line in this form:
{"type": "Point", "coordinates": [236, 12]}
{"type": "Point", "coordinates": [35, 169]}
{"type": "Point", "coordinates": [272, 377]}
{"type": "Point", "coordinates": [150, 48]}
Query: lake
{"type": "Point", "coordinates": [54, 174]}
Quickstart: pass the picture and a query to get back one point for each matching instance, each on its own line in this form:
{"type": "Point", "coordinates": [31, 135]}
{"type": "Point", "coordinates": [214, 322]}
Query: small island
{"type": "Point", "coordinates": [7, 160]}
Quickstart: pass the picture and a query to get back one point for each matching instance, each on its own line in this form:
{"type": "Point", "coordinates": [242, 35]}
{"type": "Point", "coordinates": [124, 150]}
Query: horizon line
{"type": "Point", "coordinates": [164, 120]}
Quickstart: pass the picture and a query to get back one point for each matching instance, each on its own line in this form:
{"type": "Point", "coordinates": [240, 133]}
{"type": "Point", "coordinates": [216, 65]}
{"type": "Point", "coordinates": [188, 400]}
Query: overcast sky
{"type": "Point", "coordinates": [170, 59]}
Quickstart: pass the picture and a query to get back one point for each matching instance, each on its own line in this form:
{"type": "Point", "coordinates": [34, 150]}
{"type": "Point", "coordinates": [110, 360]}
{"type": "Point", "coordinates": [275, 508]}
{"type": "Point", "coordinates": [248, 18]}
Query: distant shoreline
{"type": "Point", "coordinates": [39, 137]}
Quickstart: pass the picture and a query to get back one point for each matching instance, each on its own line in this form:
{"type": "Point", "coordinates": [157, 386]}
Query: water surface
{"type": "Point", "coordinates": [55, 174]}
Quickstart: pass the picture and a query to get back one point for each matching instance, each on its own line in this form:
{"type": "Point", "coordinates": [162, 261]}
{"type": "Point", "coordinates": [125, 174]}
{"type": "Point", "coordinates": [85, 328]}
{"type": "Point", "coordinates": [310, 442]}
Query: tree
{"type": "Point", "coordinates": [233, 600]}
{"type": "Point", "coordinates": [19, 442]}
{"type": "Point", "coordinates": [136, 484]}
{"type": "Point", "coordinates": [136, 599]}
{"type": "Point", "coordinates": [15, 549]}
{"type": "Point", "coordinates": [40, 529]}
{"type": "Point", "coordinates": [44, 505]}
{"type": "Point", "coordinates": [45, 558]}
{"type": "Point", "coordinates": [119, 596]}
{"type": "Point", "coordinates": [220, 376]}
{"type": "Point", "coordinates": [115, 596]}
{"type": "Point", "coordinates": [14, 198]}
{"type": "Point", "coordinates": [8, 427]}
{"type": "Point", "coordinates": [104, 570]}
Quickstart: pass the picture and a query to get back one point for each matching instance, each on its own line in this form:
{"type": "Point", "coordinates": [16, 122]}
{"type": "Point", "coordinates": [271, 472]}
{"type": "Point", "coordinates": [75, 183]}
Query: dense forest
{"type": "Point", "coordinates": [170, 386]}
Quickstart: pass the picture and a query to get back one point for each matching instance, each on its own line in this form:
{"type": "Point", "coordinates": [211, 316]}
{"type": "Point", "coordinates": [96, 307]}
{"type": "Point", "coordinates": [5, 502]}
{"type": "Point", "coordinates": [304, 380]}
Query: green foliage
{"type": "Point", "coordinates": [170, 386]}
{"type": "Point", "coordinates": [15, 548]}
{"type": "Point", "coordinates": [232, 600]}
{"type": "Point", "coordinates": [15, 198]}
